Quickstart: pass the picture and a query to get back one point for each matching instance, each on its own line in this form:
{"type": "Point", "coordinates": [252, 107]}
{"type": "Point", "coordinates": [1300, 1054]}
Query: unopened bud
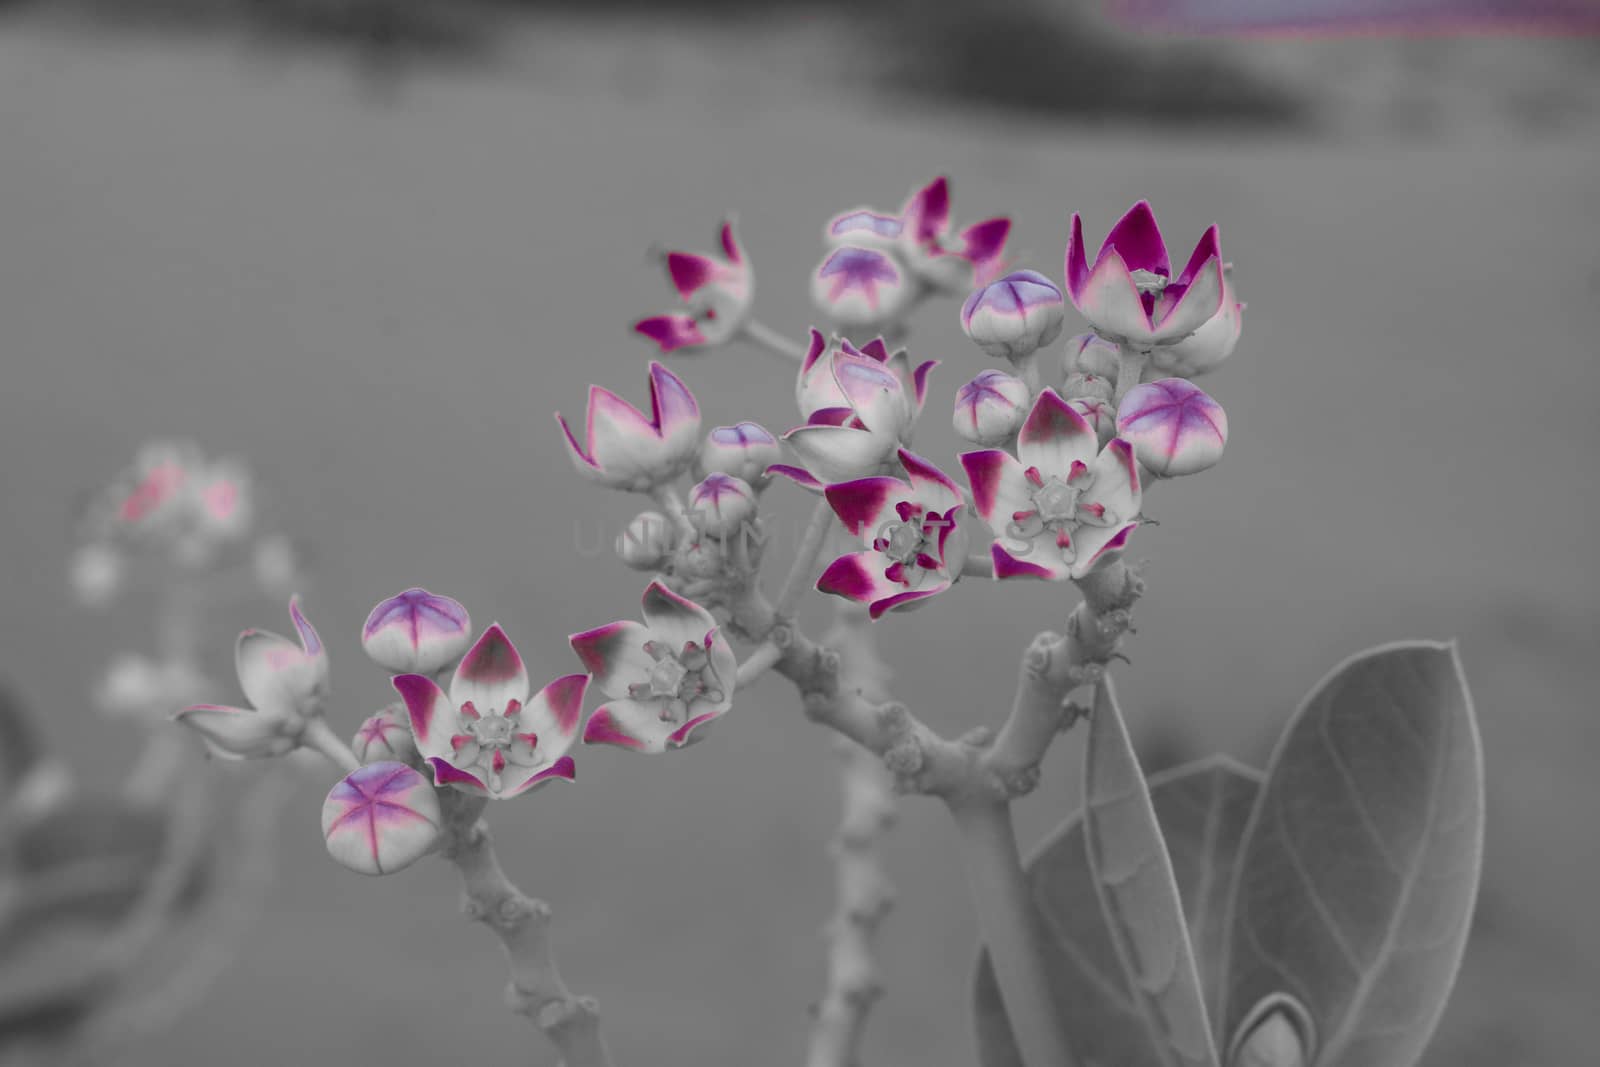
{"type": "Point", "coordinates": [721, 503]}
{"type": "Point", "coordinates": [416, 632]}
{"type": "Point", "coordinates": [991, 408]}
{"type": "Point", "coordinates": [1088, 386]}
{"type": "Point", "coordinates": [1089, 353]}
{"type": "Point", "coordinates": [647, 541]}
{"type": "Point", "coordinates": [1014, 317]}
{"type": "Point", "coordinates": [744, 450]}
{"type": "Point", "coordinates": [1173, 426]}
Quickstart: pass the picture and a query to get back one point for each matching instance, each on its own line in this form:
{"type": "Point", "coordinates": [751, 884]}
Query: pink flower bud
{"type": "Point", "coordinates": [861, 288]}
{"type": "Point", "coordinates": [1206, 348]}
{"type": "Point", "coordinates": [1089, 353]}
{"type": "Point", "coordinates": [645, 544]}
{"type": "Point", "coordinates": [1273, 1043]}
{"type": "Point", "coordinates": [416, 632]}
{"type": "Point", "coordinates": [721, 504]}
{"type": "Point", "coordinates": [1088, 386]}
{"type": "Point", "coordinates": [381, 818]}
{"type": "Point", "coordinates": [1015, 316]}
{"type": "Point", "coordinates": [1173, 426]}
{"type": "Point", "coordinates": [744, 450]}
{"type": "Point", "coordinates": [386, 736]}
{"type": "Point", "coordinates": [990, 408]}
{"type": "Point", "coordinates": [1100, 416]}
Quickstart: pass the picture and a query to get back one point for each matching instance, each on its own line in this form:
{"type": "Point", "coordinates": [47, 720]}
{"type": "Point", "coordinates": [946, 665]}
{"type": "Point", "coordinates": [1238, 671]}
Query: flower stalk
{"type": "Point", "coordinates": [773, 341]}
{"type": "Point", "coordinates": [536, 989]}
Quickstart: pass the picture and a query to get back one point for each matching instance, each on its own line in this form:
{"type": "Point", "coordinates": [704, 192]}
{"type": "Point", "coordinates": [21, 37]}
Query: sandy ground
{"type": "Point", "coordinates": [380, 298]}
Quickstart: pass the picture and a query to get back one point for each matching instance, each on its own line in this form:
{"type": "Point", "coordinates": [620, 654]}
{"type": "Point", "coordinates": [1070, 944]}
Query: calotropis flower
{"type": "Point", "coordinates": [856, 439]}
{"type": "Point", "coordinates": [666, 678]}
{"type": "Point", "coordinates": [861, 288]}
{"type": "Point", "coordinates": [285, 684]}
{"type": "Point", "coordinates": [1062, 505]}
{"type": "Point", "coordinates": [924, 239]}
{"type": "Point", "coordinates": [816, 388]}
{"type": "Point", "coordinates": [1206, 348]}
{"type": "Point", "coordinates": [914, 544]}
{"type": "Point", "coordinates": [1129, 294]}
{"type": "Point", "coordinates": [416, 632]}
{"type": "Point", "coordinates": [489, 736]}
{"type": "Point", "coordinates": [624, 449]}
{"type": "Point", "coordinates": [990, 408]}
{"type": "Point", "coordinates": [719, 291]}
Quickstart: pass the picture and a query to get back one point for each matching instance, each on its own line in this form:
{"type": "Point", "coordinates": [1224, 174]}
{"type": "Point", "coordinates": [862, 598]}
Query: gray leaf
{"type": "Point", "coordinates": [1360, 866]}
{"type": "Point", "coordinates": [1202, 808]}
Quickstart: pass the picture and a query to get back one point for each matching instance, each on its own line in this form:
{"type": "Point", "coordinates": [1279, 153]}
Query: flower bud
{"type": "Point", "coordinates": [386, 736]}
{"type": "Point", "coordinates": [1207, 347]}
{"type": "Point", "coordinates": [625, 449]}
{"type": "Point", "coordinates": [990, 408]}
{"type": "Point", "coordinates": [647, 541]}
{"type": "Point", "coordinates": [1273, 1043]}
{"type": "Point", "coordinates": [744, 450]}
{"type": "Point", "coordinates": [1089, 353]}
{"type": "Point", "coordinates": [720, 504]}
{"type": "Point", "coordinates": [705, 558]}
{"type": "Point", "coordinates": [1014, 317]}
{"type": "Point", "coordinates": [1088, 386]}
{"type": "Point", "coordinates": [416, 632]}
{"type": "Point", "coordinates": [861, 288]}
{"type": "Point", "coordinates": [381, 818]}
{"type": "Point", "coordinates": [1099, 414]}
{"type": "Point", "coordinates": [1173, 426]}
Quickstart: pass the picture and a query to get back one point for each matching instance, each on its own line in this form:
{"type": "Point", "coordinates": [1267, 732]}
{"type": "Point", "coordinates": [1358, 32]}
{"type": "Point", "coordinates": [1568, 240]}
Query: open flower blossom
{"type": "Point", "coordinates": [861, 288]}
{"type": "Point", "coordinates": [416, 632]}
{"type": "Point", "coordinates": [915, 546]}
{"type": "Point", "coordinates": [1173, 426]}
{"type": "Point", "coordinates": [667, 678]}
{"type": "Point", "coordinates": [1062, 505]}
{"type": "Point", "coordinates": [719, 292]}
{"type": "Point", "coordinates": [923, 238]}
{"type": "Point", "coordinates": [625, 450]}
{"type": "Point", "coordinates": [872, 402]}
{"type": "Point", "coordinates": [285, 685]}
{"type": "Point", "coordinates": [1129, 294]}
{"type": "Point", "coordinates": [489, 736]}
{"type": "Point", "coordinates": [1014, 317]}
{"type": "Point", "coordinates": [1206, 348]}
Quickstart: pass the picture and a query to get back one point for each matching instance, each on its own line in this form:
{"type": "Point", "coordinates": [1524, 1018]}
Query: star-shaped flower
{"type": "Point", "coordinates": [667, 678]}
{"type": "Point", "coordinates": [914, 544]}
{"type": "Point", "coordinates": [489, 736]}
{"type": "Point", "coordinates": [1061, 506]}
{"type": "Point", "coordinates": [923, 237]}
{"type": "Point", "coordinates": [625, 450]}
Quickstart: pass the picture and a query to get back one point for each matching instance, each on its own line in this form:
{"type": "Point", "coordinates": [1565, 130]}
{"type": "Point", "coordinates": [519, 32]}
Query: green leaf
{"type": "Point", "coordinates": [1202, 808]}
{"type": "Point", "coordinates": [1139, 892]}
{"type": "Point", "coordinates": [1360, 867]}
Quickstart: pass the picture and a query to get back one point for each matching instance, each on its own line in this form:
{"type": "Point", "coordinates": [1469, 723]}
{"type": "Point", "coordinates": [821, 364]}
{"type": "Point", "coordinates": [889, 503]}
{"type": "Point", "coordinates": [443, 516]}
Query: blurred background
{"type": "Point", "coordinates": [371, 245]}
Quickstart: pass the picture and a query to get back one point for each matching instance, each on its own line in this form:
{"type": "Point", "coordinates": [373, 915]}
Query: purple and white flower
{"type": "Point", "coordinates": [667, 678]}
{"type": "Point", "coordinates": [861, 288]}
{"type": "Point", "coordinates": [719, 292]}
{"type": "Point", "coordinates": [284, 684]}
{"type": "Point", "coordinates": [924, 238]}
{"type": "Point", "coordinates": [489, 736]}
{"type": "Point", "coordinates": [1173, 426]}
{"type": "Point", "coordinates": [625, 450]}
{"type": "Point", "coordinates": [870, 400]}
{"type": "Point", "coordinates": [1089, 353]}
{"type": "Point", "coordinates": [1129, 294]}
{"type": "Point", "coordinates": [1206, 348]}
{"type": "Point", "coordinates": [1014, 317]}
{"type": "Point", "coordinates": [416, 632]}
{"type": "Point", "coordinates": [1099, 414]}
{"type": "Point", "coordinates": [1062, 505]}
{"type": "Point", "coordinates": [915, 546]}
{"type": "Point", "coordinates": [990, 408]}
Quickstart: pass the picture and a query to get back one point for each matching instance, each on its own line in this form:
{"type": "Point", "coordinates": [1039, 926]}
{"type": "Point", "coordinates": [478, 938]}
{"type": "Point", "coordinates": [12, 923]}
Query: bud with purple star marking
{"type": "Point", "coordinates": [990, 408]}
{"type": "Point", "coordinates": [416, 632]}
{"type": "Point", "coordinates": [1014, 317]}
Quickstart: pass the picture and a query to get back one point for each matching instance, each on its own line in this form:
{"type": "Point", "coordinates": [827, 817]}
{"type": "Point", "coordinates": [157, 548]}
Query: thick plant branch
{"type": "Point", "coordinates": [1055, 664]}
{"type": "Point", "coordinates": [864, 894]}
{"type": "Point", "coordinates": [572, 1023]}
